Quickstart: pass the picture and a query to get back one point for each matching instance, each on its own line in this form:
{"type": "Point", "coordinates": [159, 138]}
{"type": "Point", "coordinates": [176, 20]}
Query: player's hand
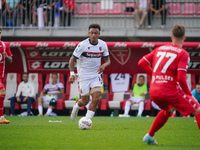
{"type": "Point", "coordinates": [142, 94]}
{"type": "Point", "coordinates": [5, 54]}
{"type": "Point", "coordinates": [71, 79]}
{"type": "Point", "coordinates": [18, 99]}
{"type": "Point", "coordinates": [101, 69]}
{"type": "Point", "coordinates": [25, 98]}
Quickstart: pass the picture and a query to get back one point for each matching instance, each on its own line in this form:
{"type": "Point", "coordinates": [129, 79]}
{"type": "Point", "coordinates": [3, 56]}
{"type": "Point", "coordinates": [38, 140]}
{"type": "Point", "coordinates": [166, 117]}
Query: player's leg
{"type": "Point", "coordinates": [128, 105]}
{"type": "Point", "coordinates": [96, 93]}
{"type": "Point", "coordinates": [196, 113]}
{"type": "Point", "coordinates": [88, 104]}
{"type": "Point", "coordinates": [30, 100]}
{"type": "Point", "coordinates": [141, 108]}
{"type": "Point", "coordinates": [40, 105]}
{"type": "Point", "coordinates": [12, 104]}
{"type": "Point", "coordinates": [82, 102]}
{"type": "Point", "coordinates": [52, 104]}
{"type": "Point", "coordinates": [2, 96]}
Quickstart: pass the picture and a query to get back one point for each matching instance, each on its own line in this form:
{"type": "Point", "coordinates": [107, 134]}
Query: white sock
{"type": "Point", "coordinates": [77, 105]}
{"type": "Point", "coordinates": [40, 109]}
{"type": "Point", "coordinates": [49, 110]}
{"type": "Point", "coordinates": [89, 114]}
{"type": "Point", "coordinates": [88, 104]}
{"type": "Point", "coordinates": [1, 117]}
{"type": "Point", "coordinates": [127, 107]}
{"type": "Point", "coordinates": [141, 108]}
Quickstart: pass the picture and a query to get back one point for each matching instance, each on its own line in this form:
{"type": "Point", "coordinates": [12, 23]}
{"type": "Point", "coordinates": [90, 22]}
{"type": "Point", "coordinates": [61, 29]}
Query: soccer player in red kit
{"type": "Point", "coordinates": [168, 66]}
{"type": "Point", "coordinates": [5, 54]}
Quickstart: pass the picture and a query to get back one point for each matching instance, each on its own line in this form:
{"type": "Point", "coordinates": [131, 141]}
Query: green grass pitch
{"type": "Point", "coordinates": [107, 133]}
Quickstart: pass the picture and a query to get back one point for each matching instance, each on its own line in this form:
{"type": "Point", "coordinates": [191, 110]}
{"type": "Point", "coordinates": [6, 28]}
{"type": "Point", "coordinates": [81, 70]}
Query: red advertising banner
{"type": "Point", "coordinates": [54, 56]}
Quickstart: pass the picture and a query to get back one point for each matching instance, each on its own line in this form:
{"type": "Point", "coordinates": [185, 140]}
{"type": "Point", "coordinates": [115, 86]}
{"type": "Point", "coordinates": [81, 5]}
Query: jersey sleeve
{"type": "Point", "coordinates": [46, 87]}
{"type": "Point", "coordinates": [8, 50]}
{"type": "Point", "coordinates": [184, 61]}
{"type": "Point", "coordinates": [78, 50]}
{"type": "Point", "coordinates": [61, 86]}
{"type": "Point", "coordinates": [105, 53]}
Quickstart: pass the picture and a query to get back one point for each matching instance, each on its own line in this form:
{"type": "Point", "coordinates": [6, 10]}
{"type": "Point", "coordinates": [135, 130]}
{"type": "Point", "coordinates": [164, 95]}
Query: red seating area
{"type": "Point", "coordinates": [37, 79]}
{"type": "Point", "coordinates": [174, 8]}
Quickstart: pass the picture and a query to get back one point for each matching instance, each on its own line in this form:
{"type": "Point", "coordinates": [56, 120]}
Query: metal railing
{"type": "Point", "coordinates": [118, 14]}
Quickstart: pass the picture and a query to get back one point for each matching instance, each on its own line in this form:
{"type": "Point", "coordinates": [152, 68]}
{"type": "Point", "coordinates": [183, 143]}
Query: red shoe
{"type": "Point", "coordinates": [173, 115]}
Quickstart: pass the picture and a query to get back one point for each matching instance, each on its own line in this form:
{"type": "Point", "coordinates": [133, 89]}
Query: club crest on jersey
{"type": "Point", "coordinates": [100, 48]}
{"type": "Point", "coordinates": [121, 55]}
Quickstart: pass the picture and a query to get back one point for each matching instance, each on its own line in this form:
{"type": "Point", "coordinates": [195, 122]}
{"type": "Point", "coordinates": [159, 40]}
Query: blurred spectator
{"type": "Point", "coordinates": [68, 7]}
{"type": "Point", "coordinates": [141, 9]}
{"type": "Point", "coordinates": [25, 94]}
{"type": "Point", "coordinates": [138, 92]}
{"type": "Point", "coordinates": [157, 7]}
{"type": "Point", "coordinates": [11, 9]}
{"type": "Point", "coordinates": [2, 2]}
{"type": "Point", "coordinates": [26, 6]}
{"type": "Point", "coordinates": [48, 6]}
{"type": "Point", "coordinates": [196, 92]}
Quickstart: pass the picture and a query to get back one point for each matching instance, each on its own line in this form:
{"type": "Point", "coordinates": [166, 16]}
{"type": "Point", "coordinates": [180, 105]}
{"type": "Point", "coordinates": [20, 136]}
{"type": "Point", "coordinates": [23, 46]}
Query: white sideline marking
{"type": "Point", "coordinates": [54, 121]}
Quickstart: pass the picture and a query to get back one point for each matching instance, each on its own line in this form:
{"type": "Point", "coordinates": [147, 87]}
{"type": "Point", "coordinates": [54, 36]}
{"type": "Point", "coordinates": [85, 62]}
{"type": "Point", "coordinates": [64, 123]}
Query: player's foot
{"type": "Point", "coordinates": [46, 115]}
{"type": "Point", "coordinates": [123, 115]}
{"type": "Point", "coordinates": [4, 121]}
{"type": "Point", "coordinates": [74, 113]}
{"type": "Point", "coordinates": [149, 139]}
{"type": "Point", "coordinates": [40, 115]}
{"type": "Point", "coordinates": [173, 115]}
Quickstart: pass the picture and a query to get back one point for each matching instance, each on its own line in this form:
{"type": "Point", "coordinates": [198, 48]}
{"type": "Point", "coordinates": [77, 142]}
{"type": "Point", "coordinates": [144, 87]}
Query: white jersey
{"type": "Point", "coordinates": [53, 88]}
{"type": "Point", "coordinates": [89, 58]}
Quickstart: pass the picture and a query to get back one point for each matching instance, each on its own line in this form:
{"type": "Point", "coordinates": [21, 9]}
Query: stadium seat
{"type": "Point", "coordinates": [60, 101]}
{"type": "Point", "coordinates": [117, 9]}
{"type": "Point", "coordinates": [174, 8]}
{"type": "Point", "coordinates": [116, 98]}
{"type": "Point", "coordinates": [198, 9]}
{"type": "Point", "coordinates": [128, 6]}
{"type": "Point", "coordinates": [36, 79]}
{"type": "Point", "coordinates": [191, 81]}
{"type": "Point", "coordinates": [11, 82]}
{"type": "Point", "coordinates": [75, 9]}
{"type": "Point", "coordinates": [98, 10]}
{"type": "Point", "coordinates": [188, 9]}
{"type": "Point", "coordinates": [85, 9]}
{"type": "Point", "coordinates": [71, 92]}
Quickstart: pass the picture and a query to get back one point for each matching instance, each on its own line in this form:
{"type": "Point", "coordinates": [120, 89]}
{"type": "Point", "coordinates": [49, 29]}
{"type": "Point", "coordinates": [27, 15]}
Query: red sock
{"type": "Point", "coordinates": [197, 116]}
{"type": "Point", "coordinates": [1, 105]}
{"type": "Point", "coordinates": [159, 121]}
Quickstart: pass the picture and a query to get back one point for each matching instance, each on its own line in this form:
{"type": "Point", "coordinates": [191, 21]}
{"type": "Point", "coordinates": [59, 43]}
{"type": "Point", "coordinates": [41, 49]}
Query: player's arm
{"type": "Point", "coordinates": [183, 81]}
{"type": "Point", "coordinates": [42, 92]}
{"type": "Point", "coordinates": [8, 58]}
{"type": "Point", "coordinates": [71, 68]}
{"type": "Point", "coordinates": [145, 65]}
{"type": "Point", "coordinates": [104, 65]}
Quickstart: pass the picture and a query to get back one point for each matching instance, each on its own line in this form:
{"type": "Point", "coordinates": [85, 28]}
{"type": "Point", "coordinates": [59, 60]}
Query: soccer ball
{"type": "Point", "coordinates": [85, 123]}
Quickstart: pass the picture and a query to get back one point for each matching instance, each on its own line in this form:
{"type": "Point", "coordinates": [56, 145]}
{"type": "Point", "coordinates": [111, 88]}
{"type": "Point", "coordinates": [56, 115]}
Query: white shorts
{"type": "Point", "coordinates": [48, 98]}
{"type": "Point", "coordinates": [137, 99]}
{"type": "Point", "coordinates": [86, 85]}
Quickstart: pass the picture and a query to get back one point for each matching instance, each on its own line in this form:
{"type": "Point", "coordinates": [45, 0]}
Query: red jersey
{"type": "Point", "coordinates": [166, 61]}
{"type": "Point", "coordinates": [69, 3]}
{"type": "Point", "coordinates": [3, 48]}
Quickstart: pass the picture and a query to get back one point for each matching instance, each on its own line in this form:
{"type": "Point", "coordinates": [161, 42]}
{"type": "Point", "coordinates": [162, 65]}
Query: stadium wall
{"type": "Point", "coordinates": [45, 57]}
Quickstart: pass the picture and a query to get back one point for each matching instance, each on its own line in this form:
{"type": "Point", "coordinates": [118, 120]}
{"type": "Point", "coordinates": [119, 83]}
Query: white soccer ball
{"type": "Point", "coordinates": [85, 123]}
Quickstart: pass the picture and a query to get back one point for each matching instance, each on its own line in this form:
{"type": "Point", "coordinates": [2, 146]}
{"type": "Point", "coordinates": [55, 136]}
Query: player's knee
{"type": "Point", "coordinates": [52, 102]}
{"type": "Point", "coordinates": [196, 111]}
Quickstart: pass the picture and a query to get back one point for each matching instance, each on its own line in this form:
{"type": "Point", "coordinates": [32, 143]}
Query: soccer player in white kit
{"type": "Point", "coordinates": [88, 56]}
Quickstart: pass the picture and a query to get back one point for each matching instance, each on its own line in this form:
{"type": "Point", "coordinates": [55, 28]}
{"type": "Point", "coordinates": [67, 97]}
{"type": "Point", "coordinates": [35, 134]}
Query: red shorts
{"type": "Point", "coordinates": [176, 98]}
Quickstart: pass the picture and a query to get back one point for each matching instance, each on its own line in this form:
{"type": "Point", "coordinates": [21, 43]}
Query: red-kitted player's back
{"type": "Point", "coordinates": [166, 61]}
